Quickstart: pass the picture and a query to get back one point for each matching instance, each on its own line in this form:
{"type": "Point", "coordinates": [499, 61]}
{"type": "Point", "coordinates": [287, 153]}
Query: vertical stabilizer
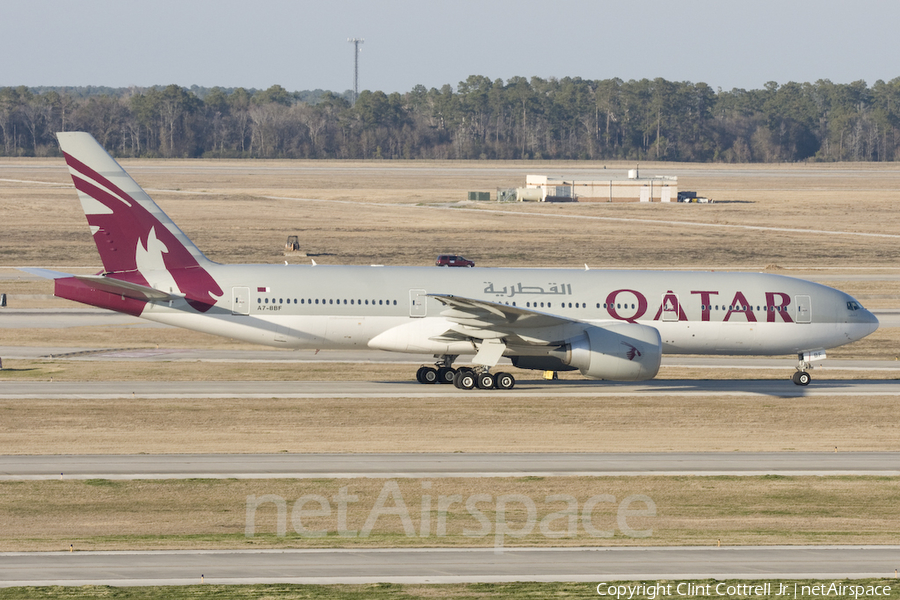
{"type": "Point", "coordinates": [133, 235]}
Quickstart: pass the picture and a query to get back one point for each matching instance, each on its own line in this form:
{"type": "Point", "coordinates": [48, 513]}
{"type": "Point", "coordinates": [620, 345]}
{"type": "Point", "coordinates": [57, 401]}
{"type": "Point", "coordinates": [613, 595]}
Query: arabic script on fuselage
{"type": "Point", "coordinates": [519, 289]}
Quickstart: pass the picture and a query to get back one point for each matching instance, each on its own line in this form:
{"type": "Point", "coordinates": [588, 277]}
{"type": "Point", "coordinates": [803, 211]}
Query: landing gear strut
{"type": "Point", "coordinates": [804, 364]}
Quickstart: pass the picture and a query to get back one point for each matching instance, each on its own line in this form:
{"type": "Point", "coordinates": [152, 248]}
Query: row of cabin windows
{"type": "Point", "coordinates": [527, 304]}
{"type": "Point", "coordinates": [573, 305]}
{"type": "Point", "coordinates": [325, 301]}
{"type": "Point", "coordinates": [742, 308]}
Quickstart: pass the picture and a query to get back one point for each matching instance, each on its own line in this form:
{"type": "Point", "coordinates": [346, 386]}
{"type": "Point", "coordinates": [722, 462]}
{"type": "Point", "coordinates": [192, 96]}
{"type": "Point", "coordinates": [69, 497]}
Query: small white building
{"type": "Point", "coordinates": [543, 188]}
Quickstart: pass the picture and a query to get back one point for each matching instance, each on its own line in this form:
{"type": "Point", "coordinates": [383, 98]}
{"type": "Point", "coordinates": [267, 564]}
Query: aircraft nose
{"type": "Point", "coordinates": [868, 320]}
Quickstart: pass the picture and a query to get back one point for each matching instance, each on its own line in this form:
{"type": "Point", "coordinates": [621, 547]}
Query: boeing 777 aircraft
{"type": "Point", "coordinates": [612, 325]}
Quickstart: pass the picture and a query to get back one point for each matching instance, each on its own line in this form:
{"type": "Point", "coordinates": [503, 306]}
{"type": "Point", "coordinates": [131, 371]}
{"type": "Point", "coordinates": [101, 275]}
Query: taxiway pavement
{"type": "Point", "coordinates": [436, 565]}
{"type": "Point", "coordinates": [152, 390]}
{"type": "Point", "coordinates": [435, 465]}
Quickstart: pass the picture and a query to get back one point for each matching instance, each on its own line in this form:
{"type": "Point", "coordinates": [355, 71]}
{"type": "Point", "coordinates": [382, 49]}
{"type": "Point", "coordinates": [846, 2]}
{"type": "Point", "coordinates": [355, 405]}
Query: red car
{"type": "Point", "coordinates": [451, 260]}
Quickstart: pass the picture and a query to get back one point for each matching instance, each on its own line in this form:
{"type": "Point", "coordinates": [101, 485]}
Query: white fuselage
{"type": "Point", "coordinates": [338, 307]}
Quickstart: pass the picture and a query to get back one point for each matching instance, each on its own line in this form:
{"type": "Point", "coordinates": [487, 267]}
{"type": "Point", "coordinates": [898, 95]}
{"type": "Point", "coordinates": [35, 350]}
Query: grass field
{"type": "Point", "coordinates": [508, 423]}
{"type": "Point", "coordinates": [213, 513]}
{"type": "Point", "coordinates": [379, 591]}
{"type": "Point", "coordinates": [355, 213]}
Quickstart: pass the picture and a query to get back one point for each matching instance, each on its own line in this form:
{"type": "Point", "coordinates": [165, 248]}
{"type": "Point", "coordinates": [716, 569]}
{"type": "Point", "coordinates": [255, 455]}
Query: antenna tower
{"type": "Point", "coordinates": [356, 42]}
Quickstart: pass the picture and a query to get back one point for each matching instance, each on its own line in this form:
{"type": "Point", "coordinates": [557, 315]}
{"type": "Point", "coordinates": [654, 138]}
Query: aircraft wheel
{"type": "Point", "coordinates": [485, 381]}
{"type": "Point", "coordinates": [464, 379]}
{"type": "Point", "coordinates": [419, 374]}
{"type": "Point", "coordinates": [504, 381]}
{"type": "Point", "coordinates": [801, 378]}
{"type": "Point", "coordinates": [427, 375]}
{"type": "Point", "coordinates": [446, 374]}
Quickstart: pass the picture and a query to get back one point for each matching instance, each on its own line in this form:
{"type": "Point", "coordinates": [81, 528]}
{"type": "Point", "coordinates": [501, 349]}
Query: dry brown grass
{"type": "Point", "coordinates": [363, 208]}
{"type": "Point", "coordinates": [508, 423]}
{"type": "Point", "coordinates": [125, 515]}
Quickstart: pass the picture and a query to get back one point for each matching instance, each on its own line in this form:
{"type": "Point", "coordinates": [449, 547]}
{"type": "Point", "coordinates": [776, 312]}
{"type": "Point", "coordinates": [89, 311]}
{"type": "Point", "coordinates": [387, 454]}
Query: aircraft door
{"type": "Point", "coordinates": [670, 307]}
{"type": "Point", "coordinates": [241, 301]}
{"type": "Point", "coordinates": [804, 309]}
{"type": "Point", "coordinates": [417, 303]}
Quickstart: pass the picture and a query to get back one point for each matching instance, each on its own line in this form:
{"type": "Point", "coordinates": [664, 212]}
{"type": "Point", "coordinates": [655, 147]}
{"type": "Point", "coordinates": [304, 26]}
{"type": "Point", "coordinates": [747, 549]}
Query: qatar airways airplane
{"type": "Point", "coordinates": [610, 325]}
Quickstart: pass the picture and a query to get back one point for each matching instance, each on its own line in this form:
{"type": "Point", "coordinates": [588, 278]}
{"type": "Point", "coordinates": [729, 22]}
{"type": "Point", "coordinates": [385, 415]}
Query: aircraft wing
{"type": "Point", "coordinates": [491, 320]}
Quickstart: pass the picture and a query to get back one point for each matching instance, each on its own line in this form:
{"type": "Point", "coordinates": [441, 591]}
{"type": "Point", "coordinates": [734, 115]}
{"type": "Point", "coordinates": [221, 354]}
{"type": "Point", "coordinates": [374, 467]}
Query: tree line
{"type": "Point", "coordinates": [568, 118]}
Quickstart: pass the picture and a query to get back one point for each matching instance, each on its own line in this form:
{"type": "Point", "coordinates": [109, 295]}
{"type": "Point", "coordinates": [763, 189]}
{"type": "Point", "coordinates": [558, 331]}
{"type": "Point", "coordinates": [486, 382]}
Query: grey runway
{"type": "Point", "coordinates": [435, 465]}
{"type": "Point", "coordinates": [150, 390]}
{"type": "Point", "coordinates": [429, 565]}
{"type": "Point", "coordinates": [377, 356]}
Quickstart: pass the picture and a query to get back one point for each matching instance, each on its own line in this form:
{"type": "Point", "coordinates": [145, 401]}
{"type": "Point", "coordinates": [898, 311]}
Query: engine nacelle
{"type": "Point", "coordinates": [615, 352]}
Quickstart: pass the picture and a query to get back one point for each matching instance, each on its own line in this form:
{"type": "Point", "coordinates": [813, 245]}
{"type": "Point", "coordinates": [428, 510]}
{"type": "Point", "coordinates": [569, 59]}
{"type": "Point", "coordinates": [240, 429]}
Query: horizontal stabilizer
{"type": "Point", "coordinates": [124, 288]}
{"type": "Point", "coordinates": [106, 284]}
{"type": "Point", "coordinates": [45, 273]}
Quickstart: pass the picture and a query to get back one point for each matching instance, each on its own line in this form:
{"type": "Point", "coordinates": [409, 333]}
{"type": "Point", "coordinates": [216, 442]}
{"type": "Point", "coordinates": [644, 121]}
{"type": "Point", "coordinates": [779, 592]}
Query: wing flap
{"type": "Point", "coordinates": [485, 320]}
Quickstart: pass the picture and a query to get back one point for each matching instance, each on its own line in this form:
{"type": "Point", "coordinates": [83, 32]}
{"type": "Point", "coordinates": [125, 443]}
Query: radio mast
{"type": "Point", "coordinates": [356, 42]}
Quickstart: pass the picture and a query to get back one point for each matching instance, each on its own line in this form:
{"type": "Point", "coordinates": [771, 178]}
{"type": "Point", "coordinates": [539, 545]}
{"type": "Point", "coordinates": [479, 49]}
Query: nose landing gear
{"type": "Point", "coordinates": [804, 364]}
{"type": "Point", "coordinates": [801, 378]}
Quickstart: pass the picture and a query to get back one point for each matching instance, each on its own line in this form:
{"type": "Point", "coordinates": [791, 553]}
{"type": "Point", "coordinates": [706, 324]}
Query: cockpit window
{"type": "Point", "coordinates": [854, 305]}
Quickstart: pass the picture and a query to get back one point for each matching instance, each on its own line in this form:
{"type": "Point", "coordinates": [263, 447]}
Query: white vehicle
{"type": "Point", "coordinates": [611, 325]}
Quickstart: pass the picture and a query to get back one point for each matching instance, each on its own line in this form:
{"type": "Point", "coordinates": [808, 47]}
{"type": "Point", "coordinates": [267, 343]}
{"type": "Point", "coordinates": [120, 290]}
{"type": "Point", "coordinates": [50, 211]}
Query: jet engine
{"type": "Point", "coordinates": [615, 352]}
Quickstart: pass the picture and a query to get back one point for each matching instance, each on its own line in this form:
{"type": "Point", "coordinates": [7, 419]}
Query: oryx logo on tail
{"type": "Point", "coordinates": [132, 234]}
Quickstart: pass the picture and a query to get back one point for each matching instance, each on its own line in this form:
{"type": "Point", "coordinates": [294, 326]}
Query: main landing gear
{"type": "Point", "coordinates": [464, 378]}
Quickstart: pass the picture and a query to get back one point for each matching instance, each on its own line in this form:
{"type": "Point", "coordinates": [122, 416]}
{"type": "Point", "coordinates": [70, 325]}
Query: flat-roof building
{"type": "Point", "coordinates": [543, 188]}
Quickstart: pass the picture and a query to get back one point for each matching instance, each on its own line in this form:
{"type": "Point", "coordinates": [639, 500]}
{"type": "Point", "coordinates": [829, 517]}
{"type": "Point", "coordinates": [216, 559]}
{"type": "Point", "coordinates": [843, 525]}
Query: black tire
{"type": "Point", "coordinates": [504, 381]}
{"type": "Point", "coordinates": [464, 379]}
{"type": "Point", "coordinates": [801, 378]}
{"type": "Point", "coordinates": [419, 374]}
{"type": "Point", "coordinates": [446, 374]}
{"type": "Point", "coordinates": [485, 381]}
{"type": "Point", "coordinates": [429, 375]}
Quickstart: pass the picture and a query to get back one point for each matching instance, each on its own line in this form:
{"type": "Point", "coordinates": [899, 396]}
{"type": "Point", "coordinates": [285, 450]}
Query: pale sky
{"type": "Point", "coordinates": [302, 44]}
